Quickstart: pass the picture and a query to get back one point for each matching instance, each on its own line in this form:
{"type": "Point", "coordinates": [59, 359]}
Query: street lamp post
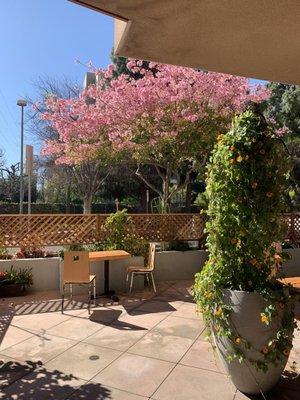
{"type": "Point", "coordinates": [22, 103]}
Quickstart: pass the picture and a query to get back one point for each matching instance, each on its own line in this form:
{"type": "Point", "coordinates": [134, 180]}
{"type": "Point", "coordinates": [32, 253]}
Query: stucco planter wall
{"type": "Point", "coordinates": [178, 265]}
{"type": "Point", "coordinates": [45, 271]}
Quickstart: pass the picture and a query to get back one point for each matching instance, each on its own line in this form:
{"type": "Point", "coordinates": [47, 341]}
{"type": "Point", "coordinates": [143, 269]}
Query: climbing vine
{"type": "Point", "coordinates": [246, 181]}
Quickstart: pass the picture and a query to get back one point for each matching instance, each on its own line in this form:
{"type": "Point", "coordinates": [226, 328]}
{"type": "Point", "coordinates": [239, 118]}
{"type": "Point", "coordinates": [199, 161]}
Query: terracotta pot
{"type": "Point", "coordinates": [245, 319]}
{"type": "Point", "coordinates": [12, 290]}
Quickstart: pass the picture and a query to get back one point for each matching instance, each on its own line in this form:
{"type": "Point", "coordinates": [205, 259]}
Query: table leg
{"type": "Point", "coordinates": [107, 291]}
{"type": "Point", "coordinates": [106, 277]}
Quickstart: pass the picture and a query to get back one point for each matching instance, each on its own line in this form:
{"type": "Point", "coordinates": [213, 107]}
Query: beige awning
{"type": "Point", "coordinates": [253, 38]}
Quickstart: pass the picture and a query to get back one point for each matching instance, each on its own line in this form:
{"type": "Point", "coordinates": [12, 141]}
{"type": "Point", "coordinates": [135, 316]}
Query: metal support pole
{"type": "Point", "coordinates": [29, 193]}
{"type": "Point", "coordinates": [21, 162]}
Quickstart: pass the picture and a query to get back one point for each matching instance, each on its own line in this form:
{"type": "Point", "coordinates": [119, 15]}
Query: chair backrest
{"type": "Point", "coordinates": [76, 267]}
{"type": "Point", "coordinates": [151, 256]}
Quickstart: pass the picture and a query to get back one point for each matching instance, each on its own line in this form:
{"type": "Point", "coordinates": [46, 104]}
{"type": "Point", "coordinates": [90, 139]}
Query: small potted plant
{"type": "Point", "coordinates": [247, 310]}
{"type": "Point", "coordinates": [4, 254]}
{"type": "Point", "coordinates": [14, 283]}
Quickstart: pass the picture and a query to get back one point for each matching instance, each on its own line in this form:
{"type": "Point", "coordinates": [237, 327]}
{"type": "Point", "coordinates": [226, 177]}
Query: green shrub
{"type": "Point", "coordinates": [22, 276]}
{"type": "Point", "coordinates": [121, 236]}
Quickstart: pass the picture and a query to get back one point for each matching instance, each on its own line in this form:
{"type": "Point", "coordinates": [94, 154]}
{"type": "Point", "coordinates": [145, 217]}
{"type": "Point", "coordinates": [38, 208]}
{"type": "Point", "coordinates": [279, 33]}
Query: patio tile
{"type": "Point", "coordinates": [135, 374]}
{"type": "Point", "coordinates": [141, 320]}
{"type": "Point", "coordinates": [83, 360]}
{"type": "Point", "coordinates": [156, 306]}
{"type": "Point", "coordinates": [104, 315]}
{"type": "Point", "coordinates": [39, 348]}
{"type": "Point", "coordinates": [191, 383]}
{"type": "Point", "coordinates": [41, 385]}
{"type": "Point", "coordinates": [11, 335]}
{"type": "Point", "coordinates": [187, 310]}
{"type": "Point", "coordinates": [95, 391]}
{"type": "Point", "coordinates": [11, 370]}
{"type": "Point", "coordinates": [76, 328]}
{"type": "Point", "coordinates": [162, 347]}
{"type": "Point", "coordinates": [40, 322]}
{"type": "Point", "coordinates": [202, 355]}
{"type": "Point", "coordinates": [117, 336]}
{"type": "Point", "coordinates": [184, 327]}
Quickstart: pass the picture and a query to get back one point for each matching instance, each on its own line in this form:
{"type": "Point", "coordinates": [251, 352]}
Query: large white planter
{"type": "Point", "coordinates": [245, 318]}
{"type": "Point", "coordinates": [45, 271]}
{"type": "Point", "coordinates": [292, 267]}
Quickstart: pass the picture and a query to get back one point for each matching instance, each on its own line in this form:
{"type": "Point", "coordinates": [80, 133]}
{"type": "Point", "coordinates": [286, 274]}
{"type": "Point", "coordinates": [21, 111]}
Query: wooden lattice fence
{"type": "Point", "coordinates": [66, 229]}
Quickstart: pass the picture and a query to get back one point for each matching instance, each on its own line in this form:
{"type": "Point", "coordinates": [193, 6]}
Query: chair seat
{"type": "Point", "coordinates": [92, 277]}
{"type": "Point", "coordinates": [136, 268]}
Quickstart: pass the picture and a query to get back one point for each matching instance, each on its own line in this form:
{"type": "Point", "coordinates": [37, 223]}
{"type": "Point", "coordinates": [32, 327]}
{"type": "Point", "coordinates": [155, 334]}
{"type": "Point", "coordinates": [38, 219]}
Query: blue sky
{"type": "Point", "coordinates": [44, 38]}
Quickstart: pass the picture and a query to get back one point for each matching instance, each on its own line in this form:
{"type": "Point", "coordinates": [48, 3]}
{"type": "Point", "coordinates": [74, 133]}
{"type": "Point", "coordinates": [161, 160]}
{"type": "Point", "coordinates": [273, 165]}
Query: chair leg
{"type": "Point", "coordinates": [127, 276]}
{"type": "Point", "coordinates": [62, 299]}
{"type": "Point", "coordinates": [94, 292]}
{"type": "Point", "coordinates": [71, 291]}
{"type": "Point", "coordinates": [131, 282]}
{"type": "Point", "coordinates": [153, 283]}
{"type": "Point", "coordinates": [90, 298]}
{"type": "Point", "coordinates": [148, 280]}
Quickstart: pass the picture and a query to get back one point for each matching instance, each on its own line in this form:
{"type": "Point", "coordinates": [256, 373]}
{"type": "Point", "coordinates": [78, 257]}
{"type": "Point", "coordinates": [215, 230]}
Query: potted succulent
{"type": "Point", "coordinates": [14, 283]}
{"type": "Point", "coordinates": [248, 312]}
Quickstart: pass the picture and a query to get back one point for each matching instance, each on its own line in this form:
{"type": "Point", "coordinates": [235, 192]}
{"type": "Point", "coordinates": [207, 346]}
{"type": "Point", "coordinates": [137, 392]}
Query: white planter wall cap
{"type": "Point", "coordinates": [257, 39]}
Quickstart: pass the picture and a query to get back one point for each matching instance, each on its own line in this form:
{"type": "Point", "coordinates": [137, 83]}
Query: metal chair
{"type": "Point", "coordinates": [76, 271]}
{"type": "Point", "coordinates": [147, 271]}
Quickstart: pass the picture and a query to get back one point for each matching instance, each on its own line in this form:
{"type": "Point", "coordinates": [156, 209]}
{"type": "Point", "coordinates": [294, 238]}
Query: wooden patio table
{"type": "Point", "coordinates": [107, 256]}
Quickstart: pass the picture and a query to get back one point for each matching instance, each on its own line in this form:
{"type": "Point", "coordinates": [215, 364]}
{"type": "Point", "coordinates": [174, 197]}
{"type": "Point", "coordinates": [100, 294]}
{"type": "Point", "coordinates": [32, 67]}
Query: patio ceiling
{"type": "Point", "coordinates": [254, 38]}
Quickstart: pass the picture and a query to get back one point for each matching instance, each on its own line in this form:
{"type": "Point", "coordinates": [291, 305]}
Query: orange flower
{"type": "Point", "coordinates": [264, 319]}
{"type": "Point", "coordinates": [233, 241]}
{"type": "Point", "coordinates": [239, 158]}
{"type": "Point", "coordinates": [253, 262]}
{"type": "Point", "coordinates": [218, 312]}
{"type": "Point", "coordinates": [277, 258]}
{"type": "Point", "coordinates": [286, 352]}
{"type": "Point", "coordinates": [269, 194]}
{"type": "Point", "coordinates": [264, 350]}
{"type": "Point", "coordinates": [237, 340]}
{"type": "Point", "coordinates": [254, 185]}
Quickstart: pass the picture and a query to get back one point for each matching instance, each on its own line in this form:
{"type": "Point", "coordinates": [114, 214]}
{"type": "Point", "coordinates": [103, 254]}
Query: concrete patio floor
{"type": "Point", "coordinates": [146, 347]}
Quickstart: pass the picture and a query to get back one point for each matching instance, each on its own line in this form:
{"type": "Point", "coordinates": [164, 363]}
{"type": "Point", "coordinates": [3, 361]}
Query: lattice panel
{"type": "Point", "coordinates": [169, 227]}
{"type": "Point", "coordinates": [61, 229]}
{"type": "Point", "coordinates": [293, 228]}
{"type": "Point", "coordinates": [49, 230]}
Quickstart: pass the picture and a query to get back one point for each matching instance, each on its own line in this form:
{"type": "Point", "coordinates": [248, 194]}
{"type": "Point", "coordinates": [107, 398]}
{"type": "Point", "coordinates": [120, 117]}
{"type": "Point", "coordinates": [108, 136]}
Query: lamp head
{"type": "Point", "coordinates": [22, 103]}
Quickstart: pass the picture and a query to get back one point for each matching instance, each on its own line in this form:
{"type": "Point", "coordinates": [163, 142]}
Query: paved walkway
{"type": "Point", "coordinates": [146, 348]}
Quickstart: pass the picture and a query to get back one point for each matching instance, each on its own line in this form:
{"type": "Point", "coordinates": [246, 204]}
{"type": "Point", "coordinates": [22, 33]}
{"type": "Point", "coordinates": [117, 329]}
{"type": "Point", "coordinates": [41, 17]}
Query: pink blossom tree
{"type": "Point", "coordinates": [168, 119]}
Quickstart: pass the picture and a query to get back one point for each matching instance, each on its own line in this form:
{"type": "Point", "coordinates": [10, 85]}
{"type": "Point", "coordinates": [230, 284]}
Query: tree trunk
{"type": "Point", "coordinates": [166, 193]}
{"type": "Point", "coordinates": [68, 196]}
{"type": "Point", "coordinates": [188, 197]}
{"type": "Point", "coordinates": [87, 204]}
